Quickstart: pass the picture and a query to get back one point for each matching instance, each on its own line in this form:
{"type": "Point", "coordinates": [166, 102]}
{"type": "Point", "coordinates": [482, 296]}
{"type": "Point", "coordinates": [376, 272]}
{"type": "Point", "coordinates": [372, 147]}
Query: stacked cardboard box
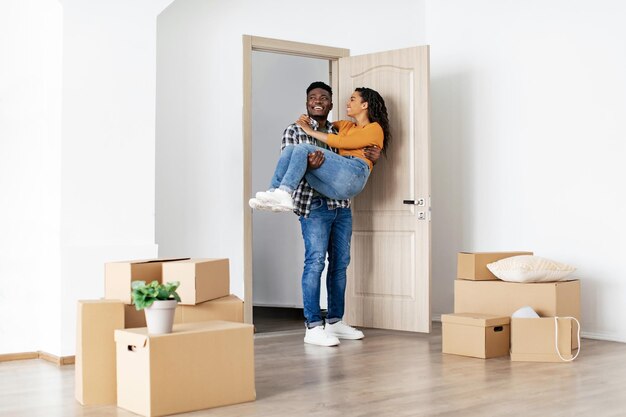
{"type": "Point", "coordinates": [477, 292]}
{"type": "Point", "coordinates": [205, 297]}
{"type": "Point", "coordinates": [95, 350]}
{"type": "Point", "coordinates": [197, 366]}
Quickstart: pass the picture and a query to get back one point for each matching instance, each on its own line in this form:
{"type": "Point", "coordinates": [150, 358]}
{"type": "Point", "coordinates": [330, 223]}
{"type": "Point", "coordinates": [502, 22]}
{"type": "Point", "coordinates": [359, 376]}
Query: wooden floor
{"type": "Point", "coordinates": [386, 374]}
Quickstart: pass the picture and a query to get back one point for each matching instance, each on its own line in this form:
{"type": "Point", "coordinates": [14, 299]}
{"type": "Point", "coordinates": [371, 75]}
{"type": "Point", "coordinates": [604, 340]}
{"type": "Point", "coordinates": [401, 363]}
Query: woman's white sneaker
{"type": "Point", "coordinates": [342, 331]}
{"type": "Point", "coordinates": [317, 336]}
{"type": "Point", "coordinates": [259, 205]}
{"type": "Point", "coordinates": [279, 200]}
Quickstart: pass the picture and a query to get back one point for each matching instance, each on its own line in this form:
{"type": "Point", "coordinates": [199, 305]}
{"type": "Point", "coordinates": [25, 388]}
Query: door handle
{"type": "Point", "coordinates": [419, 202]}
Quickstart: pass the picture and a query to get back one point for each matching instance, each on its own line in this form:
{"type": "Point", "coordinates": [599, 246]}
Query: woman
{"type": "Point", "coordinates": [340, 176]}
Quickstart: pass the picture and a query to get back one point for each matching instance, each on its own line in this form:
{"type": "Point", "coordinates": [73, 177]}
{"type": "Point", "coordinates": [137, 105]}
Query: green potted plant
{"type": "Point", "coordinates": [159, 301]}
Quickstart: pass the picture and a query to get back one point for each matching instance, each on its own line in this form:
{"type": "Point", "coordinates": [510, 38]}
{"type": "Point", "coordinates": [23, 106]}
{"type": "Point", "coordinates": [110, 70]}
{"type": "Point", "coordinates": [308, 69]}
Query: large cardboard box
{"type": "Point", "coordinates": [533, 340]}
{"type": "Point", "coordinates": [229, 308]}
{"type": "Point", "coordinates": [118, 276]}
{"type": "Point", "coordinates": [200, 279]}
{"type": "Point", "coordinates": [94, 371]}
{"type": "Point", "coordinates": [473, 265]}
{"type": "Point", "coordinates": [474, 334]}
{"type": "Point", "coordinates": [503, 298]}
{"type": "Point", "coordinates": [134, 318]}
{"type": "Point", "coordinates": [198, 366]}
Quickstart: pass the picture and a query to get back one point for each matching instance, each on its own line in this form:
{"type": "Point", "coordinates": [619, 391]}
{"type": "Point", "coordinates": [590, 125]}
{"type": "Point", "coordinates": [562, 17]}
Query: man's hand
{"type": "Point", "coordinates": [315, 160]}
{"type": "Point", "coordinates": [372, 153]}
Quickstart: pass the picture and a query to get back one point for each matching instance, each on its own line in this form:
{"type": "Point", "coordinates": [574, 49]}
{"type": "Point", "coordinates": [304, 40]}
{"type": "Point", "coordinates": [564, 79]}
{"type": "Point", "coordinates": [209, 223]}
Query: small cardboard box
{"type": "Point", "coordinates": [473, 265]}
{"type": "Point", "coordinates": [118, 276]}
{"type": "Point", "coordinates": [200, 279]}
{"type": "Point", "coordinates": [198, 366]}
{"type": "Point", "coordinates": [533, 340]}
{"type": "Point", "coordinates": [474, 334]}
{"type": "Point", "coordinates": [94, 372]}
{"type": "Point", "coordinates": [229, 308]}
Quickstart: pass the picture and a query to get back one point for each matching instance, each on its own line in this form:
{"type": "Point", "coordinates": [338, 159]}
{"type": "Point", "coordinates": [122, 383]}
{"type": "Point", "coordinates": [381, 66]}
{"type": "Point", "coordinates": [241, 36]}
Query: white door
{"type": "Point", "coordinates": [389, 275]}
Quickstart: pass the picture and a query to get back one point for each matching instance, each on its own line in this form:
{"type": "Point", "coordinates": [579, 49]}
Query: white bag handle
{"type": "Point", "coordinates": [556, 337]}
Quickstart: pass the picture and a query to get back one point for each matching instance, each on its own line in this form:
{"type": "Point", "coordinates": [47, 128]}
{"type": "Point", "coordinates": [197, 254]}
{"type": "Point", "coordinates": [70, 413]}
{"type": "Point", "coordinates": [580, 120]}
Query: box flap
{"type": "Point", "coordinates": [199, 260]}
{"type": "Point", "coordinates": [135, 337]}
{"type": "Point", "coordinates": [147, 261]}
{"type": "Point", "coordinates": [497, 253]}
{"type": "Point", "coordinates": [475, 319]}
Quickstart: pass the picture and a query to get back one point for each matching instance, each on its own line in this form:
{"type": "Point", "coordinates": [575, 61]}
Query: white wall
{"type": "Point", "coordinates": [77, 158]}
{"type": "Point", "coordinates": [109, 93]}
{"type": "Point", "coordinates": [279, 85]}
{"type": "Point", "coordinates": [199, 104]}
{"type": "Point", "coordinates": [528, 151]}
{"type": "Point", "coordinates": [30, 173]}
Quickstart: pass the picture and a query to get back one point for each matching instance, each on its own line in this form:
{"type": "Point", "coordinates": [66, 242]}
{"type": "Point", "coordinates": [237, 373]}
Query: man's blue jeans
{"type": "Point", "coordinates": [338, 178]}
{"type": "Point", "coordinates": [325, 231]}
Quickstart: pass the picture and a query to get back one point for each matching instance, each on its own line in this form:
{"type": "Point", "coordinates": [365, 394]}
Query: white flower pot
{"type": "Point", "coordinates": [160, 316]}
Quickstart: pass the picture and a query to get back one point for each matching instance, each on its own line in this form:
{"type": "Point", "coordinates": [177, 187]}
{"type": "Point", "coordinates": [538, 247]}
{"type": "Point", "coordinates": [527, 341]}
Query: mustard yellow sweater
{"type": "Point", "coordinates": [351, 139]}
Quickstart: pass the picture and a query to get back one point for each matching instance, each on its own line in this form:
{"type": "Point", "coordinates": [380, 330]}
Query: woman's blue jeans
{"type": "Point", "coordinates": [325, 231]}
{"type": "Point", "coordinates": [338, 178]}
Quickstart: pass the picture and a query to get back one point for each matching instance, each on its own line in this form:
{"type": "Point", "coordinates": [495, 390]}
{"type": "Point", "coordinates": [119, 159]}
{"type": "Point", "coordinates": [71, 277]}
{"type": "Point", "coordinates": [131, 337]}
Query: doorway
{"type": "Point", "coordinates": [260, 54]}
{"type": "Point", "coordinates": [278, 98]}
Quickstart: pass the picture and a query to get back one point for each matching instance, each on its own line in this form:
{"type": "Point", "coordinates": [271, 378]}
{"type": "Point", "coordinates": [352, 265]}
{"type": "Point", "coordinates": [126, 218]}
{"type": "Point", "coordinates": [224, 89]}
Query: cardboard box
{"type": "Point", "coordinates": [229, 308]}
{"type": "Point", "coordinates": [200, 279]}
{"type": "Point", "coordinates": [474, 334]}
{"type": "Point", "coordinates": [94, 369]}
{"type": "Point", "coordinates": [198, 366]}
{"type": "Point", "coordinates": [502, 298]}
{"type": "Point", "coordinates": [118, 276]}
{"type": "Point", "coordinates": [134, 318]}
{"type": "Point", "coordinates": [533, 340]}
{"type": "Point", "coordinates": [473, 265]}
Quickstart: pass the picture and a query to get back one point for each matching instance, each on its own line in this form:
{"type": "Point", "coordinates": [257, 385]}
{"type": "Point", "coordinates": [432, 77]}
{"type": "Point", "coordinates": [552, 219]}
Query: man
{"type": "Point", "coordinates": [326, 228]}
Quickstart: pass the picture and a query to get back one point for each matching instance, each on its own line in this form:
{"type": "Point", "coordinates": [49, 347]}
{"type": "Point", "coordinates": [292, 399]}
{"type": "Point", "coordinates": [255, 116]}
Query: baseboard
{"type": "Point", "coordinates": [57, 360]}
{"type": "Point", "coordinates": [18, 356]}
{"type": "Point", "coordinates": [601, 336]}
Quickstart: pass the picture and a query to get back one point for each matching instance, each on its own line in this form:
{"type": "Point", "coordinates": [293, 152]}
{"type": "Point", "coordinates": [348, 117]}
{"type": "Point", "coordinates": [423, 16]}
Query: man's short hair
{"type": "Point", "coordinates": [319, 84]}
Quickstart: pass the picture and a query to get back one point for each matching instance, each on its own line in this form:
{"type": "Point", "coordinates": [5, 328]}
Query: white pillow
{"type": "Point", "coordinates": [529, 268]}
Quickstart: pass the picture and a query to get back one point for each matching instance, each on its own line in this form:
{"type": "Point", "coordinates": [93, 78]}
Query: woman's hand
{"type": "Point", "coordinates": [304, 123]}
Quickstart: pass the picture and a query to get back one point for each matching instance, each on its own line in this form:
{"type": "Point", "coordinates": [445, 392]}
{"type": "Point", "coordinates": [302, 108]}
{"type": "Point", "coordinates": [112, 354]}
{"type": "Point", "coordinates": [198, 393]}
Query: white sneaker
{"type": "Point", "coordinates": [264, 195]}
{"type": "Point", "coordinates": [279, 199]}
{"type": "Point", "coordinates": [257, 204]}
{"type": "Point", "coordinates": [343, 331]}
{"type": "Point", "coordinates": [317, 336]}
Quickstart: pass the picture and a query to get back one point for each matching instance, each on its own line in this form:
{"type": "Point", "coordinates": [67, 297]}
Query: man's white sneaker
{"type": "Point", "coordinates": [279, 199]}
{"type": "Point", "coordinates": [317, 336]}
{"type": "Point", "coordinates": [343, 331]}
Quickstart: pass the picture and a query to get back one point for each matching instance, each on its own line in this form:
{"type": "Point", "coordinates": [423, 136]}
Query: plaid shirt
{"type": "Point", "coordinates": [304, 194]}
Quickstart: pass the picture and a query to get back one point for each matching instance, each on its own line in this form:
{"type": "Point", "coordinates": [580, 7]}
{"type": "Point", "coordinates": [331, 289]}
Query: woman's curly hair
{"type": "Point", "coordinates": [376, 112]}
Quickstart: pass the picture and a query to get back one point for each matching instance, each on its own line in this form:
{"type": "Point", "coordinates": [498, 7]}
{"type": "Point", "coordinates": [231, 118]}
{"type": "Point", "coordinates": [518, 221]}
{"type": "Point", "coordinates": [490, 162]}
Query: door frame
{"type": "Point", "coordinates": [256, 43]}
